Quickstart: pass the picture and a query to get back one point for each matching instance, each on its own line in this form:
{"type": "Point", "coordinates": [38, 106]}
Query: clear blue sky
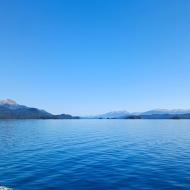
{"type": "Point", "coordinates": [86, 57]}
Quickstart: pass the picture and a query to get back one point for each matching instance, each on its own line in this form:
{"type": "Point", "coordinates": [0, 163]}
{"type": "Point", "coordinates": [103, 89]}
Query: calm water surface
{"type": "Point", "coordinates": [95, 154]}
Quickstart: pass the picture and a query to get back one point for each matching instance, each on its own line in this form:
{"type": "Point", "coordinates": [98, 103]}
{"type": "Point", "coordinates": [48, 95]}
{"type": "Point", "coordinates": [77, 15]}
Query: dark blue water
{"type": "Point", "coordinates": [95, 154]}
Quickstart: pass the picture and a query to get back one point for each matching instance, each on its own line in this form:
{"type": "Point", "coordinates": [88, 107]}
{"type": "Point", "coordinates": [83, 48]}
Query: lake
{"type": "Point", "coordinates": [95, 154]}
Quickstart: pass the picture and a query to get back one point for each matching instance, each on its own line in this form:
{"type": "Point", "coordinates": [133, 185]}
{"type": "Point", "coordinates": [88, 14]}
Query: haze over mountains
{"type": "Point", "coordinates": [9, 109]}
{"type": "Point", "coordinates": [152, 114]}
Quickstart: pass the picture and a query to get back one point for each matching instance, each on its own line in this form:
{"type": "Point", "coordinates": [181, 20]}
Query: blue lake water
{"type": "Point", "coordinates": [95, 154]}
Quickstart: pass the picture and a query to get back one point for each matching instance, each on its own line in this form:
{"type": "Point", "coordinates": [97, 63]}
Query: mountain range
{"type": "Point", "coordinates": [9, 109]}
{"type": "Point", "coordinates": [151, 114]}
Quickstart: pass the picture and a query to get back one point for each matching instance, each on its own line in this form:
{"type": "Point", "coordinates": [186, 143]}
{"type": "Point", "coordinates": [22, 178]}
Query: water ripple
{"type": "Point", "coordinates": [95, 154]}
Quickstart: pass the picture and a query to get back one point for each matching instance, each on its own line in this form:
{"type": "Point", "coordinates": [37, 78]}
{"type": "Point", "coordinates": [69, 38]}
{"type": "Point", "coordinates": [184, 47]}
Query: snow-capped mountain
{"type": "Point", "coordinates": [151, 114]}
{"type": "Point", "coordinates": [166, 111]}
{"type": "Point", "coordinates": [111, 115]}
{"type": "Point", "coordinates": [8, 102]}
{"type": "Point", "coordinates": [9, 109]}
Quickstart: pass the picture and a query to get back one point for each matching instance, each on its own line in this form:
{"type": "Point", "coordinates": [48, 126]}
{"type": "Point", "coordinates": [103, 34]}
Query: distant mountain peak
{"type": "Point", "coordinates": [113, 114]}
{"type": "Point", "coordinates": [9, 109]}
{"type": "Point", "coordinates": [8, 102]}
{"type": "Point", "coordinates": [166, 111]}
